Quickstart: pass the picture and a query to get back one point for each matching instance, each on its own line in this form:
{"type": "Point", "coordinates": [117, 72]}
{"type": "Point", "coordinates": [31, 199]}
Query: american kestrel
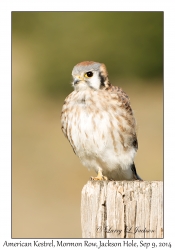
{"type": "Point", "coordinates": [98, 121]}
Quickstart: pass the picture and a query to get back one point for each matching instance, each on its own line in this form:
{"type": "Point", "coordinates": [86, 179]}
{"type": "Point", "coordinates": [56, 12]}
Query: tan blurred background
{"type": "Point", "coordinates": [47, 177]}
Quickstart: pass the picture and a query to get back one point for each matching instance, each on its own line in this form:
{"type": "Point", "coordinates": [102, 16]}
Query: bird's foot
{"type": "Point", "coordinates": [103, 178]}
{"type": "Point", "coordinates": [99, 177]}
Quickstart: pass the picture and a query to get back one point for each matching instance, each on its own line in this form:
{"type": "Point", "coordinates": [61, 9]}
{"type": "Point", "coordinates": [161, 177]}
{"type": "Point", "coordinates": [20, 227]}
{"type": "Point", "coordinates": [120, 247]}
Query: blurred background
{"type": "Point", "coordinates": [47, 177]}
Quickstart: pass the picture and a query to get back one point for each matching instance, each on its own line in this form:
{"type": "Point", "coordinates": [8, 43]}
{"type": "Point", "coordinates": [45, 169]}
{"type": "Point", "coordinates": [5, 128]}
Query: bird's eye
{"type": "Point", "coordinates": [88, 74]}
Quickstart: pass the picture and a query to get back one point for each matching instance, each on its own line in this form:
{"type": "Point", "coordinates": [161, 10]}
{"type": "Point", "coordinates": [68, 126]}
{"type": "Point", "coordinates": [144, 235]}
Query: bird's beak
{"type": "Point", "coordinates": [77, 79]}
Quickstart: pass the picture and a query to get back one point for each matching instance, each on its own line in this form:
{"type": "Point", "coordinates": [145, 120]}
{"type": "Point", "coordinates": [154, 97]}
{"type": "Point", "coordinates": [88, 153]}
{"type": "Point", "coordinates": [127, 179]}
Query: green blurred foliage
{"type": "Point", "coordinates": [129, 43]}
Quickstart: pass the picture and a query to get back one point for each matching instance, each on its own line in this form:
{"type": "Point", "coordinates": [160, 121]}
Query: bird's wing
{"type": "Point", "coordinates": [122, 98]}
{"type": "Point", "coordinates": [124, 101]}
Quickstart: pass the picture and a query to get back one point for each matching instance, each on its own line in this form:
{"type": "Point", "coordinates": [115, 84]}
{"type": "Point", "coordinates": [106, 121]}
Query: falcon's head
{"type": "Point", "coordinates": [90, 74]}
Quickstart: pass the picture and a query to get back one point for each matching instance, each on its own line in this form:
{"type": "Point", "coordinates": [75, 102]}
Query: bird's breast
{"type": "Point", "coordinates": [95, 124]}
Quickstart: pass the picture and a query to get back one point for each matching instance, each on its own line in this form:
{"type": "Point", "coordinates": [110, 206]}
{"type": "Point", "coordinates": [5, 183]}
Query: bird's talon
{"type": "Point", "coordinates": [105, 178]}
{"type": "Point", "coordinates": [99, 178]}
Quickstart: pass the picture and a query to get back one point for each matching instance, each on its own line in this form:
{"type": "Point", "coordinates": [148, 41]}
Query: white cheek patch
{"type": "Point", "coordinates": [94, 81]}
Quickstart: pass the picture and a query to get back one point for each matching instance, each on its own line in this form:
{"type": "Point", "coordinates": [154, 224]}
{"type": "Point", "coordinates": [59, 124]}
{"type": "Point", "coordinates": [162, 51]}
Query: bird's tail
{"type": "Point", "coordinates": [136, 176]}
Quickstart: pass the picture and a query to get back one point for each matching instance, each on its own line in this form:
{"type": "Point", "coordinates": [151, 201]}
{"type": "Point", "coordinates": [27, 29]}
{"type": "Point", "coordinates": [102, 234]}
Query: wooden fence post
{"type": "Point", "coordinates": [122, 209]}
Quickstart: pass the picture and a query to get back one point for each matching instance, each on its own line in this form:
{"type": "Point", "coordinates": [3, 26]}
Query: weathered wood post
{"type": "Point", "coordinates": [122, 209]}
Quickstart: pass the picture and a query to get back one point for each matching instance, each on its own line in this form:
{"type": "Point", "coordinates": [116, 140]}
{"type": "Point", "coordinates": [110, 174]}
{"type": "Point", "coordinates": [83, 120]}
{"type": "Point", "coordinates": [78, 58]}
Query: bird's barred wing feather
{"type": "Point", "coordinates": [124, 100]}
{"type": "Point", "coordinates": [122, 97]}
